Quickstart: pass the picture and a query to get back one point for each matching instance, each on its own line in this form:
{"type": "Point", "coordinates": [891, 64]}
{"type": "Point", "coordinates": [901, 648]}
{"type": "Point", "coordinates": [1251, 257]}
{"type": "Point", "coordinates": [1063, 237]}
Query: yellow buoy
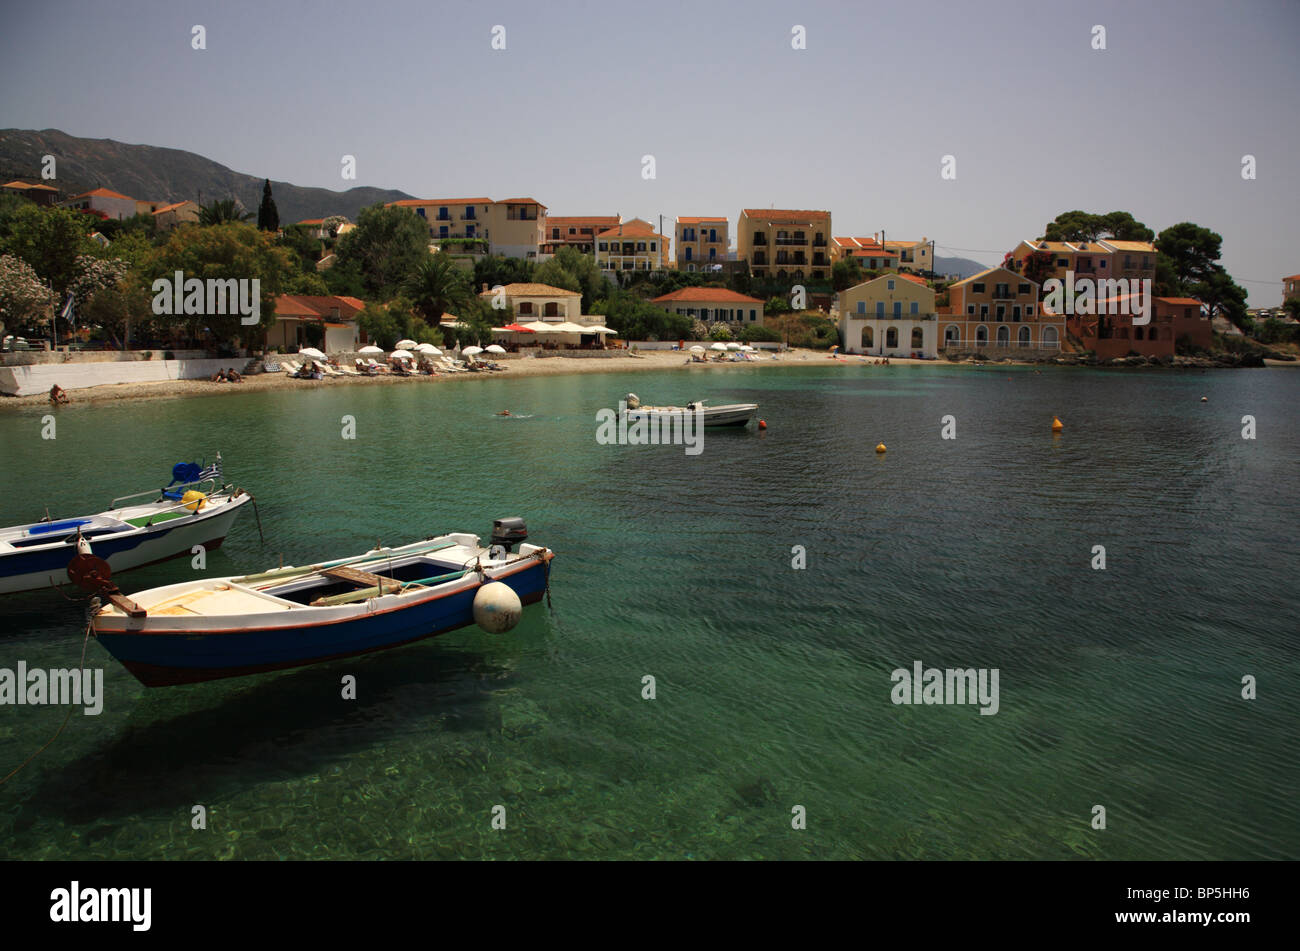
{"type": "Point", "coordinates": [1057, 425]}
{"type": "Point", "coordinates": [880, 447]}
{"type": "Point", "coordinates": [194, 500]}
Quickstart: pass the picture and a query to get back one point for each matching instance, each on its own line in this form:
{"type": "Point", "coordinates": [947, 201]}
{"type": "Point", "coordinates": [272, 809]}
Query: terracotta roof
{"type": "Point", "coordinates": [783, 214]}
{"type": "Point", "coordinates": [719, 295]}
{"type": "Point", "coordinates": [533, 290]}
{"type": "Point", "coordinates": [407, 202]}
{"type": "Point", "coordinates": [631, 229]}
{"type": "Point", "coordinates": [1144, 246]}
{"type": "Point", "coordinates": [312, 221]}
{"type": "Point", "coordinates": [1292, 277]}
{"type": "Point", "coordinates": [696, 221]}
{"type": "Point", "coordinates": [1180, 301]}
{"type": "Point", "coordinates": [316, 306]}
{"type": "Point", "coordinates": [172, 207]}
{"type": "Point", "coordinates": [18, 184]}
{"type": "Point", "coordinates": [103, 193]}
{"type": "Point", "coordinates": [519, 201]}
{"type": "Point", "coordinates": [914, 279]}
{"type": "Point", "coordinates": [1020, 278]}
{"type": "Point", "coordinates": [561, 221]}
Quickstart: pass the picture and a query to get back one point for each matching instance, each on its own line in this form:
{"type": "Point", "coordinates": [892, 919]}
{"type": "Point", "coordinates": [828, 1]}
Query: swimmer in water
{"type": "Point", "coordinates": [504, 412]}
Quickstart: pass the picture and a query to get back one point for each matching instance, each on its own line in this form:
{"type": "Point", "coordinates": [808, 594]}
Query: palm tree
{"type": "Point", "coordinates": [223, 211]}
{"type": "Point", "coordinates": [438, 286]}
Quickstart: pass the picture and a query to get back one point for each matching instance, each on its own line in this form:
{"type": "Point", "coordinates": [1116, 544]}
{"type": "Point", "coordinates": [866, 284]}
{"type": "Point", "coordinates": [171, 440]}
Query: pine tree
{"type": "Point", "coordinates": [268, 219]}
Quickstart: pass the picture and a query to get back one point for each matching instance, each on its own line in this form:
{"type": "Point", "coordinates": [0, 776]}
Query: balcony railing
{"type": "Point", "coordinates": [796, 242]}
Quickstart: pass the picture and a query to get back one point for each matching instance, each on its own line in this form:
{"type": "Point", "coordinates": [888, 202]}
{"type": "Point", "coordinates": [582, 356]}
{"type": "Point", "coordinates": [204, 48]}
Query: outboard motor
{"type": "Point", "coordinates": [508, 532]}
{"type": "Point", "coordinates": [632, 401]}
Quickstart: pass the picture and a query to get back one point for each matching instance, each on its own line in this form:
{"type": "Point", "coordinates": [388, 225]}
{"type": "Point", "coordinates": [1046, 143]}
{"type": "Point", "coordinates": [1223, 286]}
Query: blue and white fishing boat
{"type": "Point", "coordinates": [290, 617]}
{"type": "Point", "coordinates": [194, 509]}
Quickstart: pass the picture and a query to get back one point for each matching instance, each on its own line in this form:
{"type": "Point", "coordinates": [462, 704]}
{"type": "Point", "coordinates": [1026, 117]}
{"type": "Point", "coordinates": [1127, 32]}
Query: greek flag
{"type": "Point", "coordinates": [211, 472]}
{"type": "Point", "coordinates": [69, 311]}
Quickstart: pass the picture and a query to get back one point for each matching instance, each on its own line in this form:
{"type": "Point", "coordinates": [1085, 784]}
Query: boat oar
{"type": "Point", "coordinates": [281, 573]}
{"type": "Point", "coordinates": [365, 594]}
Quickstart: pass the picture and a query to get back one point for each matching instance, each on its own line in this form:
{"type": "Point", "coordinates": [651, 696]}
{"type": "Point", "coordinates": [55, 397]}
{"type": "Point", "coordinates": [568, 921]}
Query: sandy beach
{"type": "Point", "coordinates": [524, 367]}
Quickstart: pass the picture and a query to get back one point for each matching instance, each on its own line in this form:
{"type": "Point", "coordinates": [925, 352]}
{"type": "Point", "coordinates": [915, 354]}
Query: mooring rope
{"type": "Point", "coordinates": [14, 772]}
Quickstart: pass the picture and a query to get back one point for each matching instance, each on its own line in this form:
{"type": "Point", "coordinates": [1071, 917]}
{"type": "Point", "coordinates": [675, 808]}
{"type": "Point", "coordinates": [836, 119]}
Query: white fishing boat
{"type": "Point", "coordinates": [731, 414]}
{"type": "Point", "coordinates": [134, 530]}
{"type": "Point", "coordinates": [288, 617]}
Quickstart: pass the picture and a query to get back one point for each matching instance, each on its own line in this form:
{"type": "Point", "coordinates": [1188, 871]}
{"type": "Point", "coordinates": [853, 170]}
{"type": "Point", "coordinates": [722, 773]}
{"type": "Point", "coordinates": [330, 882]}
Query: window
{"type": "Point", "coordinates": [1004, 336]}
{"type": "Point", "coordinates": [1022, 288]}
{"type": "Point", "coordinates": [898, 308]}
{"type": "Point", "coordinates": [880, 308]}
{"type": "Point", "coordinates": [713, 234]}
{"type": "Point", "coordinates": [862, 307]}
{"type": "Point", "coordinates": [654, 245]}
{"type": "Point", "coordinates": [891, 337]}
{"type": "Point", "coordinates": [442, 214]}
{"type": "Point", "coordinates": [984, 311]}
{"type": "Point", "coordinates": [918, 342]}
{"type": "Point", "coordinates": [1023, 337]}
{"type": "Point", "coordinates": [752, 318]}
{"type": "Point", "coordinates": [977, 288]}
{"type": "Point", "coordinates": [1015, 314]}
{"type": "Point", "coordinates": [916, 307]}
{"type": "Point", "coordinates": [420, 212]}
{"type": "Point", "coordinates": [970, 310]}
{"type": "Point", "coordinates": [688, 256]}
{"type": "Point", "coordinates": [1002, 312]}
{"type": "Point", "coordinates": [442, 231]}
{"type": "Point", "coordinates": [1029, 310]}
{"type": "Point", "coordinates": [891, 284]}
{"type": "Point", "coordinates": [604, 245]}
{"type": "Point", "coordinates": [1062, 262]}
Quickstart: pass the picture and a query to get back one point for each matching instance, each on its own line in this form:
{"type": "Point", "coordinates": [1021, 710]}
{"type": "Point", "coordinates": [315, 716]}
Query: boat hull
{"type": "Point", "coordinates": [160, 657]}
{"type": "Point", "coordinates": [26, 571]}
{"type": "Point", "coordinates": [714, 417]}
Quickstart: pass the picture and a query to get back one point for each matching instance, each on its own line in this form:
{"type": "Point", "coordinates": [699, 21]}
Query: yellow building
{"type": "Point", "coordinates": [527, 302]}
{"type": "Point", "coordinates": [701, 243]}
{"type": "Point", "coordinates": [513, 227]}
{"type": "Point", "coordinates": [892, 315]}
{"type": "Point", "coordinates": [170, 217]}
{"type": "Point", "coordinates": [915, 256]}
{"type": "Point", "coordinates": [1134, 260]}
{"type": "Point", "coordinates": [631, 246]}
{"type": "Point", "coordinates": [785, 244]}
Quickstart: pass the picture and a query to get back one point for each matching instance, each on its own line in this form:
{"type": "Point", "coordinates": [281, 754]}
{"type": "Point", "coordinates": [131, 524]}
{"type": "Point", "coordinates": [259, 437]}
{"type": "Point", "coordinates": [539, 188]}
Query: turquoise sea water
{"type": "Point", "coordinates": [1119, 688]}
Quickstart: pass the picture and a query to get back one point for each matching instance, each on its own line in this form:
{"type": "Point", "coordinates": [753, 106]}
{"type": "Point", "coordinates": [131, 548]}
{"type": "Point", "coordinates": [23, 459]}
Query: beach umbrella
{"type": "Point", "coordinates": [371, 349]}
{"type": "Point", "coordinates": [471, 351]}
{"type": "Point", "coordinates": [733, 346]}
{"type": "Point", "coordinates": [519, 329]}
{"type": "Point", "coordinates": [496, 348]}
{"type": "Point", "coordinates": [718, 346]}
{"type": "Point", "coordinates": [427, 348]}
{"type": "Point", "coordinates": [403, 344]}
{"type": "Point", "coordinates": [402, 355]}
{"type": "Point", "coordinates": [311, 353]}
{"type": "Point", "coordinates": [697, 349]}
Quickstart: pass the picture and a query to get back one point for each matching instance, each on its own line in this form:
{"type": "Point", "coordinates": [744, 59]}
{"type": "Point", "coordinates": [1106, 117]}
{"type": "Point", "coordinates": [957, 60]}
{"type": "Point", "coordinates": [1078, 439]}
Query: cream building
{"type": "Point", "coordinates": [631, 246]}
{"type": "Point", "coordinates": [785, 243]}
{"type": "Point", "coordinates": [892, 315]}
{"type": "Point", "coordinates": [701, 242]}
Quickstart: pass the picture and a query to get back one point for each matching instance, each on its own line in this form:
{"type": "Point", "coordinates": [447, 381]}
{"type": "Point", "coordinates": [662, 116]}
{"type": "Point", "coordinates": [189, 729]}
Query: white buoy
{"type": "Point", "coordinates": [497, 608]}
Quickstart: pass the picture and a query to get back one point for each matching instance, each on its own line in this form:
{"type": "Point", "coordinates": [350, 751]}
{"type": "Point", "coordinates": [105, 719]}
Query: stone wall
{"type": "Point", "coordinates": [78, 375]}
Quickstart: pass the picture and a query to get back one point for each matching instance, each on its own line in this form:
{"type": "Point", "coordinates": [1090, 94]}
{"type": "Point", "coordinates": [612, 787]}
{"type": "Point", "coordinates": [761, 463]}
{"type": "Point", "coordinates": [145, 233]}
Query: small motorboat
{"type": "Point", "coordinates": [732, 414]}
{"type": "Point", "coordinates": [194, 509]}
{"type": "Point", "coordinates": [290, 617]}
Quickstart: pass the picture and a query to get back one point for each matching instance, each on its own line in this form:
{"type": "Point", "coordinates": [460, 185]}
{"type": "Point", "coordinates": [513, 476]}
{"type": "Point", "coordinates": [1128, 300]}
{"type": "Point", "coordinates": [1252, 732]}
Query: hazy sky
{"type": "Point", "coordinates": [857, 123]}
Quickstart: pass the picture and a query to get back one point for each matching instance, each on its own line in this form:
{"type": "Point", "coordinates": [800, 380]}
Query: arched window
{"type": "Point", "coordinates": [868, 337]}
{"type": "Point", "coordinates": [526, 307]}
{"type": "Point", "coordinates": [1137, 333]}
{"type": "Point", "coordinates": [917, 338]}
{"type": "Point", "coordinates": [1024, 336]}
{"type": "Point", "coordinates": [981, 336]}
{"type": "Point", "coordinates": [1049, 337]}
{"type": "Point", "coordinates": [891, 338]}
{"type": "Point", "coordinates": [552, 309]}
{"type": "Point", "coordinates": [951, 333]}
{"type": "Point", "coordinates": [1004, 336]}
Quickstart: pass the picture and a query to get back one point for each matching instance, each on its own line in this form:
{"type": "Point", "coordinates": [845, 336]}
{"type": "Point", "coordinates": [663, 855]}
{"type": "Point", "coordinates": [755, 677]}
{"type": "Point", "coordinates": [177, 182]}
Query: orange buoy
{"type": "Point", "coordinates": [1057, 425]}
{"type": "Point", "coordinates": [880, 447]}
{"type": "Point", "coordinates": [762, 424]}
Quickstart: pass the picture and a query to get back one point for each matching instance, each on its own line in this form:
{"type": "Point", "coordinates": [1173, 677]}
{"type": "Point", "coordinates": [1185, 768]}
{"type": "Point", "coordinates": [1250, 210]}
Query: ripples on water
{"type": "Point", "coordinates": [1117, 687]}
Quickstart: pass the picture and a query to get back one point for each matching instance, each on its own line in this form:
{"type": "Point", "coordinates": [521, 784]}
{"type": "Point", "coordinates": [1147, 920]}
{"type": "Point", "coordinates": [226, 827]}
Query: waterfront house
{"type": "Point", "coordinates": [713, 304]}
{"type": "Point", "coordinates": [1132, 260]}
{"type": "Point", "coordinates": [1173, 321]}
{"type": "Point", "coordinates": [335, 318]}
{"type": "Point", "coordinates": [701, 243]}
{"type": "Point", "coordinates": [104, 201]}
{"type": "Point", "coordinates": [631, 246]}
{"type": "Point", "coordinates": [784, 243]}
{"type": "Point", "coordinates": [998, 309]}
{"type": "Point", "coordinates": [526, 302]}
{"type": "Point", "coordinates": [913, 255]}
{"type": "Point", "coordinates": [892, 315]}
